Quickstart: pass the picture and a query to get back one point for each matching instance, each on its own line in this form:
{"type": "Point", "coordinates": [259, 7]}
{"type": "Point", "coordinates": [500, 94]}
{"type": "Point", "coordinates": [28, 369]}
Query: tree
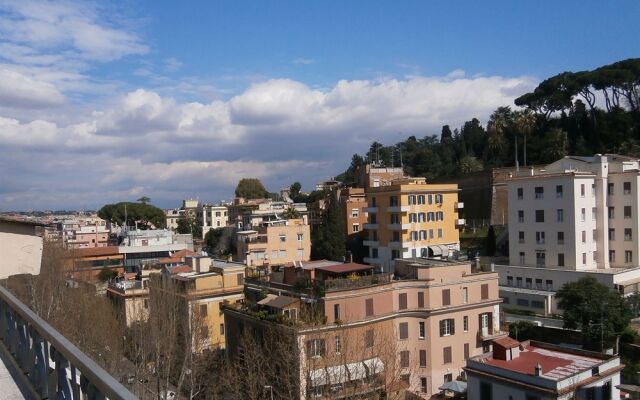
{"type": "Point", "coordinates": [219, 241]}
{"type": "Point", "coordinates": [144, 200]}
{"type": "Point", "coordinates": [106, 274]}
{"type": "Point", "coordinates": [294, 189]}
{"type": "Point", "coordinates": [251, 188]}
{"type": "Point", "coordinates": [291, 213]}
{"type": "Point", "coordinates": [490, 242]}
{"type": "Point", "coordinates": [184, 225]}
{"type": "Point", "coordinates": [328, 241]}
{"type": "Point", "coordinates": [144, 216]}
{"type": "Point", "coordinates": [590, 306]}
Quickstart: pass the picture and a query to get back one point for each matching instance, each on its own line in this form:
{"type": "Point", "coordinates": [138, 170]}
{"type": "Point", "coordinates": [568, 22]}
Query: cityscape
{"type": "Point", "coordinates": [288, 212]}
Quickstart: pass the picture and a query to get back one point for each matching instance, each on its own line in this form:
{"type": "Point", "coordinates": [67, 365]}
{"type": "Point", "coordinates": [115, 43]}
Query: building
{"type": "Point", "coordinates": [86, 263]}
{"type": "Point", "coordinates": [172, 217]}
{"type": "Point", "coordinates": [212, 217]}
{"type": "Point", "coordinates": [374, 175]}
{"type": "Point", "coordinates": [210, 285]}
{"type": "Point", "coordinates": [410, 218]}
{"type": "Point", "coordinates": [131, 299]}
{"type": "Point", "coordinates": [361, 331]}
{"type": "Point", "coordinates": [79, 234]}
{"type": "Point", "coordinates": [147, 247]}
{"type": "Point", "coordinates": [577, 217]}
{"type": "Point", "coordinates": [20, 246]}
{"type": "Point", "coordinates": [535, 370]}
{"type": "Point", "coordinates": [354, 203]}
{"type": "Point", "coordinates": [276, 242]}
{"type": "Point", "coordinates": [247, 214]}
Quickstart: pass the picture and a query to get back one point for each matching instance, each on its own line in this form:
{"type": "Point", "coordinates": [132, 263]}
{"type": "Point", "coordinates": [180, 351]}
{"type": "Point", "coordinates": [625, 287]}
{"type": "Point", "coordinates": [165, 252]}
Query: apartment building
{"type": "Point", "coordinates": [172, 216]}
{"type": "Point", "coordinates": [275, 242]}
{"type": "Point", "coordinates": [80, 234]}
{"type": "Point", "coordinates": [578, 216]}
{"type": "Point", "coordinates": [410, 218]}
{"type": "Point", "coordinates": [130, 299]}
{"type": "Point", "coordinates": [360, 331]}
{"type": "Point", "coordinates": [147, 247]}
{"type": "Point", "coordinates": [374, 175]}
{"type": "Point", "coordinates": [86, 263]}
{"type": "Point", "coordinates": [535, 370]}
{"type": "Point", "coordinates": [212, 217]}
{"type": "Point", "coordinates": [354, 202]}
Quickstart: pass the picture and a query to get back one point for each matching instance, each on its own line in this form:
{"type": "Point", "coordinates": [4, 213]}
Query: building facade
{"type": "Point", "coordinates": [411, 333]}
{"type": "Point", "coordinates": [274, 243]}
{"type": "Point", "coordinates": [410, 218]}
{"type": "Point", "coordinates": [212, 217]}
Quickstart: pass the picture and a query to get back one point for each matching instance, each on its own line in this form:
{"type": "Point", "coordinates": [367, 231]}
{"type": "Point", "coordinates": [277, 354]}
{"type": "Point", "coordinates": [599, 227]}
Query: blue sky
{"type": "Point", "coordinates": [175, 99]}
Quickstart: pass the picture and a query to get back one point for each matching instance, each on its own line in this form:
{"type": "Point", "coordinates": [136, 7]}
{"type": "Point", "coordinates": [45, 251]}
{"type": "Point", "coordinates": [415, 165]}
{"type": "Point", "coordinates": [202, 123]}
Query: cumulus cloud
{"type": "Point", "coordinates": [18, 90]}
{"type": "Point", "coordinates": [278, 130]}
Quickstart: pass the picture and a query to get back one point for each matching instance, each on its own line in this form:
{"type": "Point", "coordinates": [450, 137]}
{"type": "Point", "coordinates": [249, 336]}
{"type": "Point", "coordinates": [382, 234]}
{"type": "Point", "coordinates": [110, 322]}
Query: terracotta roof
{"type": "Point", "coordinates": [97, 251]}
{"type": "Point", "coordinates": [277, 301]}
{"type": "Point", "coordinates": [507, 342]}
{"type": "Point", "coordinates": [183, 253]}
{"type": "Point", "coordinates": [180, 268]}
{"type": "Point", "coordinates": [345, 268]}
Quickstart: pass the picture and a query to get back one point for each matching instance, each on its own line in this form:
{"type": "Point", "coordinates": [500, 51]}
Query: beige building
{"type": "Point", "coordinates": [20, 246]}
{"type": "Point", "coordinates": [274, 243]}
{"type": "Point", "coordinates": [410, 218]}
{"type": "Point", "coordinates": [131, 300]}
{"type": "Point", "coordinates": [363, 332]}
{"type": "Point", "coordinates": [212, 217]}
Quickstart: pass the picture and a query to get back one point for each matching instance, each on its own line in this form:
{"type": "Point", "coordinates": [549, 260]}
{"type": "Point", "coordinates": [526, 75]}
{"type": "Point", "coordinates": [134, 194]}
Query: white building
{"type": "Point", "coordinates": [212, 217]}
{"type": "Point", "coordinates": [578, 216]}
{"type": "Point", "coordinates": [534, 370]}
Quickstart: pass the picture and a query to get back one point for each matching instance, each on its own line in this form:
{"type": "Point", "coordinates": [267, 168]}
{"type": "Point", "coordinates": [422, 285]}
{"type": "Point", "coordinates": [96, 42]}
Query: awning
{"type": "Point", "coordinates": [435, 250]}
{"type": "Point", "coordinates": [345, 373]}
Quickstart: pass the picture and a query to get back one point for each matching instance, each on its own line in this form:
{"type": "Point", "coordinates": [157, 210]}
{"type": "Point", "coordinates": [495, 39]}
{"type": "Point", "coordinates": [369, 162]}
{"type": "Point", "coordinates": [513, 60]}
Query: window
{"type": "Point", "coordinates": [396, 236]}
{"type": "Point", "coordinates": [582, 190]}
{"type": "Point", "coordinates": [540, 259]}
{"type": "Point", "coordinates": [538, 283]}
{"type": "Point", "coordinates": [394, 218]}
{"type": "Point", "coordinates": [412, 199]}
{"type": "Point", "coordinates": [422, 217]}
{"type": "Point", "coordinates": [203, 310]}
{"type": "Point", "coordinates": [439, 232]}
{"type": "Point", "coordinates": [420, 299]}
{"type": "Point", "coordinates": [521, 256]}
{"type": "Point", "coordinates": [447, 327]}
{"type": "Point", "coordinates": [484, 291]}
{"type": "Point", "coordinates": [368, 338]}
{"type": "Point", "coordinates": [421, 199]}
{"type": "Point", "coordinates": [594, 213]}
{"type": "Point", "coordinates": [315, 347]}
{"type": "Point", "coordinates": [423, 235]}
{"type": "Point", "coordinates": [393, 201]}
{"type": "Point", "coordinates": [430, 233]}
{"type": "Point", "coordinates": [584, 258]}
{"type": "Point", "coordinates": [368, 304]}
{"type": "Point", "coordinates": [539, 215]}
{"type": "Point", "coordinates": [594, 235]}
{"type": "Point", "coordinates": [465, 295]}
{"type": "Point", "coordinates": [559, 191]}
{"type": "Point", "coordinates": [628, 235]}
{"type": "Point", "coordinates": [549, 283]}
{"type": "Point", "coordinates": [560, 259]}
{"type": "Point", "coordinates": [439, 216]}
{"type": "Point", "coordinates": [537, 304]}
{"type": "Point", "coordinates": [446, 355]}
{"type": "Point", "coordinates": [274, 254]}
{"type": "Point", "coordinates": [584, 236]}
{"type": "Point", "coordinates": [522, 302]}
{"type": "Point", "coordinates": [283, 254]}
{"type": "Point", "coordinates": [610, 189]}
{"type": "Point", "coordinates": [520, 193]}
{"type": "Point", "coordinates": [520, 216]}
{"type": "Point", "coordinates": [593, 190]}
{"type": "Point", "coordinates": [612, 255]}
{"type": "Point", "coordinates": [402, 301]}
{"type": "Point", "coordinates": [204, 331]}
{"type": "Point", "coordinates": [486, 392]}
{"type": "Point", "coordinates": [403, 329]}
{"type": "Point", "coordinates": [448, 378]}
{"type": "Point", "coordinates": [300, 253]}
{"type": "Point", "coordinates": [355, 228]}
{"type": "Point", "coordinates": [373, 218]}
{"type": "Point", "coordinates": [528, 283]}
{"type": "Point", "coordinates": [627, 212]}
{"type": "Point", "coordinates": [510, 280]}
{"type": "Point", "coordinates": [423, 358]}
{"type": "Point", "coordinates": [373, 201]}
{"type": "Point", "coordinates": [414, 235]}
{"type": "Point", "coordinates": [222, 329]}
{"type": "Point", "coordinates": [430, 199]}
{"type": "Point", "coordinates": [423, 383]}
{"type": "Point", "coordinates": [626, 188]}
{"type": "Point", "coordinates": [404, 359]}
{"type": "Point", "coordinates": [539, 192]}
{"type": "Point", "coordinates": [612, 234]}
{"type": "Point", "coordinates": [560, 237]}
{"type": "Point", "coordinates": [374, 252]}
{"type": "Point", "coordinates": [519, 282]}
{"type": "Point", "coordinates": [583, 214]}
{"type": "Point", "coordinates": [540, 237]}
{"type": "Point", "coordinates": [421, 330]}
{"type": "Point", "coordinates": [438, 198]}
{"type": "Point", "coordinates": [612, 212]}
{"type": "Point", "coordinates": [446, 297]}
{"type": "Point", "coordinates": [283, 238]}
{"type": "Point", "coordinates": [465, 323]}
{"type": "Point", "coordinates": [520, 237]}
{"type": "Point", "coordinates": [413, 217]}
{"type": "Point", "coordinates": [338, 344]}
{"type": "Point", "coordinates": [431, 216]}
{"type": "Point", "coordinates": [395, 254]}
{"type": "Point", "coordinates": [240, 279]}
{"type": "Point", "coordinates": [628, 256]}
{"type": "Point", "coordinates": [336, 311]}
{"type": "Point", "coordinates": [560, 215]}
{"type": "Point", "coordinates": [466, 351]}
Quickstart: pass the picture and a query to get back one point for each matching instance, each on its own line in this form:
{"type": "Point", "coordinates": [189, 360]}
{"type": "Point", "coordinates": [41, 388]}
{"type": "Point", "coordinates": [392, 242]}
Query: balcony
{"type": "Point", "coordinates": [490, 334]}
{"type": "Point", "coordinates": [459, 205]}
{"type": "Point", "coordinates": [399, 227]}
{"type": "Point", "coordinates": [395, 209]}
{"type": "Point", "coordinates": [460, 222]}
{"type": "Point", "coordinates": [48, 364]}
{"type": "Point", "coordinates": [370, 226]}
{"type": "Point", "coordinates": [370, 209]}
{"type": "Point", "coordinates": [373, 243]}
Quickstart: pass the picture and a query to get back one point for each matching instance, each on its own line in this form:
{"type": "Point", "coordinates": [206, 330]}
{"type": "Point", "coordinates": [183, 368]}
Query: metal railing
{"type": "Point", "coordinates": [52, 366]}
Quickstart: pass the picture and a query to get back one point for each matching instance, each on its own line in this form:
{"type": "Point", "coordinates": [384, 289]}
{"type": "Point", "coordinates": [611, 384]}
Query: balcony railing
{"type": "Point", "coordinates": [52, 366]}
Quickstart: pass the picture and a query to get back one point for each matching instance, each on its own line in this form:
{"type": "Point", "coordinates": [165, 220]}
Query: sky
{"type": "Point", "coordinates": [109, 101]}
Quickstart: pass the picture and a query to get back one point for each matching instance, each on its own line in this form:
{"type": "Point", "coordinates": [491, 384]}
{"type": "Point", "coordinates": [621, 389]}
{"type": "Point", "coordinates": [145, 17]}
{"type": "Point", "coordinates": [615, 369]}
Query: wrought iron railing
{"type": "Point", "coordinates": [52, 366]}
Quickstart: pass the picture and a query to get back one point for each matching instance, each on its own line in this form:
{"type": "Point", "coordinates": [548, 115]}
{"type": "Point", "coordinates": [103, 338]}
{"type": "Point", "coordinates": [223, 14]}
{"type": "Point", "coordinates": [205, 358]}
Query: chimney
{"type": "Point", "coordinates": [538, 370]}
{"type": "Point", "coordinates": [477, 263]}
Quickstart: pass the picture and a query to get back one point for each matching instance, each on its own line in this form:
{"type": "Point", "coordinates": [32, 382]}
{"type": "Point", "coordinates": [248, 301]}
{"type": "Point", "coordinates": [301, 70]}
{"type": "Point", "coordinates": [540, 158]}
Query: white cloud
{"type": "Point", "coordinates": [172, 64]}
{"type": "Point", "coordinates": [18, 90]}
{"type": "Point", "coordinates": [303, 61]}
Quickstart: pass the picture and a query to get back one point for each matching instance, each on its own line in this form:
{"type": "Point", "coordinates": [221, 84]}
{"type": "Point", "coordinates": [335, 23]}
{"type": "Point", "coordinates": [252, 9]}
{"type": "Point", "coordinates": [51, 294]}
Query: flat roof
{"type": "Point", "coordinates": [432, 262]}
{"type": "Point", "coordinates": [277, 301]}
{"type": "Point", "coordinates": [344, 268]}
{"type": "Point", "coordinates": [556, 364]}
{"type": "Point", "coordinates": [97, 251]}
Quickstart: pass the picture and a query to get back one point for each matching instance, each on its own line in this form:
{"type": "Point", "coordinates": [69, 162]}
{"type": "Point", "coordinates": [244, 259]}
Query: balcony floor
{"type": "Point", "coordinates": [11, 387]}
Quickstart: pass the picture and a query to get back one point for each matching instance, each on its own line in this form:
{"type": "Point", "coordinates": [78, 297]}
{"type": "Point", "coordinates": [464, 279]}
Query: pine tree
{"type": "Point", "coordinates": [329, 239]}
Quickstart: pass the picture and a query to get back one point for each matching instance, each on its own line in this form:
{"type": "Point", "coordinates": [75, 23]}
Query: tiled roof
{"type": "Point", "coordinates": [97, 251]}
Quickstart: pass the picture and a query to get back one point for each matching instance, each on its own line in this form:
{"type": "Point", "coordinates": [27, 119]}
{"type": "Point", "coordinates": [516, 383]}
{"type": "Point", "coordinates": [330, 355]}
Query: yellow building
{"type": "Point", "coordinates": [212, 284]}
{"type": "Point", "coordinates": [410, 218]}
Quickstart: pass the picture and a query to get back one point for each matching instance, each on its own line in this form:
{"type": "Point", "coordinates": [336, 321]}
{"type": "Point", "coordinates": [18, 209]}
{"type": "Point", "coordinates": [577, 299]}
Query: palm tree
{"type": "Point", "coordinates": [291, 213]}
{"type": "Point", "coordinates": [525, 123]}
{"type": "Point", "coordinates": [497, 127]}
